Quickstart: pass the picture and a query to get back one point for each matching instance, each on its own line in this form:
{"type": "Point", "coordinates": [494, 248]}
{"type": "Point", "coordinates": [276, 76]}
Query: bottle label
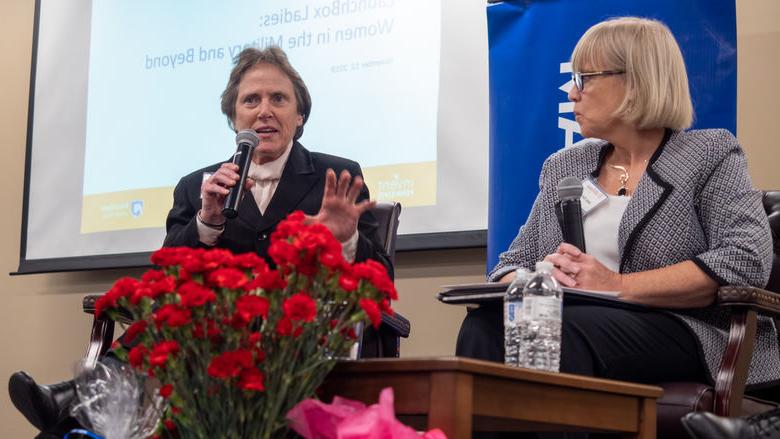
{"type": "Point", "coordinates": [512, 312]}
{"type": "Point", "coordinates": [542, 308]}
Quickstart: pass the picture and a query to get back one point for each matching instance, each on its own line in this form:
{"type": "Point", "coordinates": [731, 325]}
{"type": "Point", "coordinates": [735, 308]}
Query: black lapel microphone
{"type": "Point", "coordinates": [569, 192]}
{"type": "Point", "coordinates": [246, 140]}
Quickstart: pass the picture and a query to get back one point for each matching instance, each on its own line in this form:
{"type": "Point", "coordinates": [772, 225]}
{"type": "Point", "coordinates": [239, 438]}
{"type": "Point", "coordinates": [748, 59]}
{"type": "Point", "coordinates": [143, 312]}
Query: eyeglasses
{"type": "Point", "coordinates": [579, 77]}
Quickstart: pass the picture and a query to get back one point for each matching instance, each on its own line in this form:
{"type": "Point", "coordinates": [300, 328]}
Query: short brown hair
{"type": "Point", "coordinates": [657, 94]}
{"type": "Point", "coordinates": [274, 56]}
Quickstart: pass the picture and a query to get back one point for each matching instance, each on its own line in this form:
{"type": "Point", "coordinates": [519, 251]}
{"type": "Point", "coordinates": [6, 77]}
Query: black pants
{"type": "Point", "coordinates": [630, 345]}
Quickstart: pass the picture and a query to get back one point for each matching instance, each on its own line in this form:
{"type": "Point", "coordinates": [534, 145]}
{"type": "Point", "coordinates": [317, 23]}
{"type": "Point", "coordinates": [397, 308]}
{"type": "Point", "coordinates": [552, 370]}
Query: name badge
{"type": "Point", "coordinates": [592, 196]}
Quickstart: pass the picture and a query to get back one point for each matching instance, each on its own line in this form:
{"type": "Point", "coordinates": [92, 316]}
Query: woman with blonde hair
{"type": "Point", "coordinates": [679, 217]}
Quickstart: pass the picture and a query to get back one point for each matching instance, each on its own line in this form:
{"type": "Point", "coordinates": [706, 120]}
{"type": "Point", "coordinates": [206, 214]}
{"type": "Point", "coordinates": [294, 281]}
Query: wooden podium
{"type": "Point", "coordinates": [460, 395]}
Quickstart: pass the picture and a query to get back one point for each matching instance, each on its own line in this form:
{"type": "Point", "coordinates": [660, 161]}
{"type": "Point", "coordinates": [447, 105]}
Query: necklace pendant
{"type": "Point", "coordinates": [622, 191]}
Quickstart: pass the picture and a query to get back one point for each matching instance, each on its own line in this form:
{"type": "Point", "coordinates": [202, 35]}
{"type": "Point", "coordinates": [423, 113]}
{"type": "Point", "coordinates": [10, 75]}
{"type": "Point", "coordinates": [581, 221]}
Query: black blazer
{"type": "Point", "coordinates": [300, 188]}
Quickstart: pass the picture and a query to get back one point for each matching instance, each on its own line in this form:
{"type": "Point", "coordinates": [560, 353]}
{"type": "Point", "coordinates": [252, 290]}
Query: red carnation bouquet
{"type": "Point", "coordinates": [236, 344]}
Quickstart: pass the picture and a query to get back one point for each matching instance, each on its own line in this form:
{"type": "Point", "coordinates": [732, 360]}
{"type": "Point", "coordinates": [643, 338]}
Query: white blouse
{"type": "Point", "coordinates": [601, 230]}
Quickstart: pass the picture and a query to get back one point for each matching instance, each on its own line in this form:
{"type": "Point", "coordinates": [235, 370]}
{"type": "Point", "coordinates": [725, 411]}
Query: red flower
{"type": "Point", "coordinates": [299, 246]}
{"type": "Point", "coordinates": [254, 338]}
{"type": "Point", "coordinates": [206, 328]}
{"type": "Point", "coordinates": [169, 425]}
{"type": "Point", "coordinates": [332, 259]}
{"type": "Point", "coordinates": [162, 286]}
{"type": "Point", "coordinates": [166, 391]}
{"type": "Point", "coordinates": [250, 261]}
{"type": "Point", "coordinates": [206, 302]}
{"type": "Point", "coordinates": [248, 307]}
{"type": "Point", "coordinates": [170, 256]}
{"type": "Point", "coordinates": [300, 307]}
{"type": "Point", "coordinates": [153, 284]}
{"type": "Point", "coordinates": [227, 278]}
{"type": "Point", "coordinates": [285, 328]}
{"type": "Point", "coordinates": [289, 226]}
{"type": "Point", "coordinates": [194, 294]}
{"type": "Point", "coordinates": [134, 329]}
{"type": "Point", "coordinates": [136, 356]}
{"type": "Point", "coordinates": [139, 293]}
{"type": "Point", "coordinates": [192, 261]}
{"type": "Point", "coordinates": [372, 310]}
{"type": "Point", "coordinates": [229, 364]}
{"type": "Point", "coordinates": [160, 352]}
{"type": "Point", "coordinates": [103, 303]}
{"type": "Point", "coordinates": [348, 283]}
{"type": "Point", "coordinates": [283, 253]}
{"type": "Point", "coordinates": [251, 379]}
{"type": "Point", "coordinates": [384, 305]}
{"type": "Point", "coordinates": [349, 332]}
{"type": "Point", "coordinates": [173, 316]}
{"type": "Point", "coordinates": [375, 273]}
{"type": "Point", "coordinates": [216, 258]}
{"type": "Point", "coordinates": [153, 276]}
{"type": "Point", "coordinates": [266, 280]}
{"type": "Point", "coordinates": [123, 287]}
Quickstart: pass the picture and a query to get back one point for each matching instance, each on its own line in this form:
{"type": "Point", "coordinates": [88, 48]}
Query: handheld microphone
{"type": "Point", "coordinates": [246, 140]}
{"type": "Point", "coordinates": [569, 192]}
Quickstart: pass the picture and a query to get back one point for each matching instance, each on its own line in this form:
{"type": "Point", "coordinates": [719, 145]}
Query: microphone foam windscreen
{"type": "Point", "coordinates": [569, 187]}
{"type": "Point", "coordinates": [247, 136]}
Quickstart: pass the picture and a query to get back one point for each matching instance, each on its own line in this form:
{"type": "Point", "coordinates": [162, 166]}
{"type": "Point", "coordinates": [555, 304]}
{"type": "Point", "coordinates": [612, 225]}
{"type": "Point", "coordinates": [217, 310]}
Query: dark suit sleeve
{"type": "Point", "coordinates": [182, 229]}
{"type": "Point", "coordinates": [368, 245]}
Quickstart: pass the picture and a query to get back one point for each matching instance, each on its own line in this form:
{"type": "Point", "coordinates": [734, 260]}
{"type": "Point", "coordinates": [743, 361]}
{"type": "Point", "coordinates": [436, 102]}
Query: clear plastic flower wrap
{"type": "Point", "coordinates": [116, 402]}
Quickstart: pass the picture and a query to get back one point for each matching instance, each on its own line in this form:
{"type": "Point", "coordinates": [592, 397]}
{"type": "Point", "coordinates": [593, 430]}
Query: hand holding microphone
{"type": "Point", "coordinates": [574, 267]}
{"type": "Point", "coordinates": [246, 140]}
{"type": "Point", "coordinates": [569, 192]}
{"type": "Point", "coordinates": [220, 192]}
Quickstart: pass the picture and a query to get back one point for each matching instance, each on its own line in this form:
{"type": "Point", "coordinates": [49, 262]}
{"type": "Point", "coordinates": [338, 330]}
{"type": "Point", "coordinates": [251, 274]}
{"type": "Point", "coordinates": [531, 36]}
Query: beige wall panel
{"type": "Point", "coordinates": [757, 105]}
{"type": "Point", "coordinates": [44, 332]}
{"type": "Point", "coordinates": [418, 277]}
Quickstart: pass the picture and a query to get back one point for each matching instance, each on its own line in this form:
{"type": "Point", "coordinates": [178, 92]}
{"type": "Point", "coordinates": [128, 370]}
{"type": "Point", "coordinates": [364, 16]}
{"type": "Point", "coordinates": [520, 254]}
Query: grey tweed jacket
{"type": "Point", "coordinates": [695, 202]}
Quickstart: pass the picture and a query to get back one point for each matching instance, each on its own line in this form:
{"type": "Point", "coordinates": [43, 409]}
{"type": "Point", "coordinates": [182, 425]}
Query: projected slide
{"type": "Point", "coordinates": [157, 69]}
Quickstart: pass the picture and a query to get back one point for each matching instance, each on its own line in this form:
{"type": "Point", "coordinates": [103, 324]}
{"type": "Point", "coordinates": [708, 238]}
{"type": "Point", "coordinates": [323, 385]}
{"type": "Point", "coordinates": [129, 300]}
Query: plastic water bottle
{"type": "Point", "coordinates": [513, 305]}
{"type": "Point", "coordinates": [540, 321]}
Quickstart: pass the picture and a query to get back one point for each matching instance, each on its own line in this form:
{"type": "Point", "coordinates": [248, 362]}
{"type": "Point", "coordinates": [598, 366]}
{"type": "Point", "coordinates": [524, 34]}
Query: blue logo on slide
{"type": "Point", "coordinates": [137, 208]}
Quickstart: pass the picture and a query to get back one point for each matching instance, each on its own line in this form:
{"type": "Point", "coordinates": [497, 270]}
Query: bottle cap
{"type": "Point", "coordinates": [545, 266]}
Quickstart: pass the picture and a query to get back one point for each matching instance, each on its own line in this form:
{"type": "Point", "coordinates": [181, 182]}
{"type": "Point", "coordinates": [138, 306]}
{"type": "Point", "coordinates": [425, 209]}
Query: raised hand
{"type": "Point", "coordinates": [340, 210]}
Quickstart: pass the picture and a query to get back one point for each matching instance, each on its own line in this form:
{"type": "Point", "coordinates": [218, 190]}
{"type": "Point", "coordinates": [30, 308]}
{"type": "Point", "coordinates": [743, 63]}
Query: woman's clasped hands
{"type": "Point", "coordinates": [576, 269]}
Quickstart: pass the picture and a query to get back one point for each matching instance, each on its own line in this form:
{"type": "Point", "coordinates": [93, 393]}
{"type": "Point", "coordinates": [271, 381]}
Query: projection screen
{"type": "Point", "coordinates": [124, 100]}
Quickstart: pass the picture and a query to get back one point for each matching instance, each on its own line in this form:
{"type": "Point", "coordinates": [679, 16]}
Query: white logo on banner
{"type": "Point", "coordinates": [569, 126]}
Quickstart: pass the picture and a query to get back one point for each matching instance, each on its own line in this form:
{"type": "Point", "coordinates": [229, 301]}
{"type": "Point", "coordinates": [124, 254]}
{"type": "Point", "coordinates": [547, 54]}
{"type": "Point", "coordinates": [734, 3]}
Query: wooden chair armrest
{"type": "Point", "coordinates": [759, 300]}
{"type": "Point", "coordinates": [102, 332]}
{"type": "Point", "coordinates": [398, 323]}
{"type": "Point", "coordinates": [88, 305]}
{"type": "Point", "coordinates": [745, 303]}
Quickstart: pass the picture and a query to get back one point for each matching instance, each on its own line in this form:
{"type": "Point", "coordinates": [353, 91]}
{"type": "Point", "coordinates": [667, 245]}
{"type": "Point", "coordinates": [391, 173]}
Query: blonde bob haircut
{"type": "Point", "coordinates": [657, 94]}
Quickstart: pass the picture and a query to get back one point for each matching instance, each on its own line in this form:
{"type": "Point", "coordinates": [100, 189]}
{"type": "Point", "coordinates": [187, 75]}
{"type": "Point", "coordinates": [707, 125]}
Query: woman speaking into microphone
{"type": "Point", "coordinates": [676, 217]}
{"type": "Point", "coordinates": [268, 104]}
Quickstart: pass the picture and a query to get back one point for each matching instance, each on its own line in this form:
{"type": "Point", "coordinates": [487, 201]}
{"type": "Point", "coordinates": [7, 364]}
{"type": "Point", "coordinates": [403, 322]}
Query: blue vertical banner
{"type": "Point", "coordinates": [530, 75]}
